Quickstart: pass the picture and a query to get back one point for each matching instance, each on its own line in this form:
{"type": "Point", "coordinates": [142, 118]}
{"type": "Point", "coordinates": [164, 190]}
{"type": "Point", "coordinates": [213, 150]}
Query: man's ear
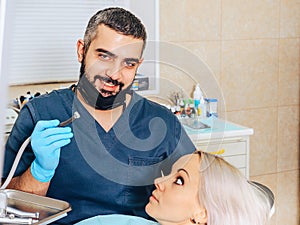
{"type": "Point", "coordinates": [141, 61]}
{"type": "Point", "coordinates": [200, 217]}
{"type": "Point", "coordinates": [80, 50]}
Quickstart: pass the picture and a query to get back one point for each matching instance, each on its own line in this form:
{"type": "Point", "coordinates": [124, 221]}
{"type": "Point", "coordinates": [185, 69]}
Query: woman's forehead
{"type": "Point", "coordinates": [189, 161]}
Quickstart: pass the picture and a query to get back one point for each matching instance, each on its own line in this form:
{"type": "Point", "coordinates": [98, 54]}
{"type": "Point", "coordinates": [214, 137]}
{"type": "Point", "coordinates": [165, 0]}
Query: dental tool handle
{"type": "Point", "coordinates": [22, 214]}
{"type": "Point", "coordinates": [75, 116]}
{"type": "Point", "coordinates": [7, 220]}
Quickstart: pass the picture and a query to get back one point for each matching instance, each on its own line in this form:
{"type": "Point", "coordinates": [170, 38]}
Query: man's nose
{"type": "Point", "coordinates": [114, 71]}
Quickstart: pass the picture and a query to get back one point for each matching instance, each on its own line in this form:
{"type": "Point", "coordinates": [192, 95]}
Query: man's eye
{"type": "Point", "coordinates": [104, 56]}
{"type": "Point", "coordinates": [179, 181]}
{"type": "Point", "coordinates": [130, 64]}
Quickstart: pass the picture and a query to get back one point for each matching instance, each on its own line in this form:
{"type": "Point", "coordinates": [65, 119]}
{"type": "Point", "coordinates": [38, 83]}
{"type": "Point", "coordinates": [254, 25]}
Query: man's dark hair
{"type": "Point", "coordinates": [118, 19]}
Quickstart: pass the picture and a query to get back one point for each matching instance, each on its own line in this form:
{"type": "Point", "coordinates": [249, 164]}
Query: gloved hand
{"type": "Point", "coordinates": [46, 141]}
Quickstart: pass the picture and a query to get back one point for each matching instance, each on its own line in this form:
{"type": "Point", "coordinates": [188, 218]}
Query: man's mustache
{"type": "Point", "coordinates": [108, 80]}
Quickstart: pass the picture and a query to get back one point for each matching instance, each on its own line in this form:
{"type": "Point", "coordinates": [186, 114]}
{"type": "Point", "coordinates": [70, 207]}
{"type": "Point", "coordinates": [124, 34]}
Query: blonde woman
{"type": "Point", "coordinates": [201, 189]}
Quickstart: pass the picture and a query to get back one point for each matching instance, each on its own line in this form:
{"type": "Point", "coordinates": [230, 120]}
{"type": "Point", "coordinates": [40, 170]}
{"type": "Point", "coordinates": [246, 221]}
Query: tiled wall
{"type": "Point", "coordinates": [252, 49]}
{"type": "Point", "coordinates": [247, 54]}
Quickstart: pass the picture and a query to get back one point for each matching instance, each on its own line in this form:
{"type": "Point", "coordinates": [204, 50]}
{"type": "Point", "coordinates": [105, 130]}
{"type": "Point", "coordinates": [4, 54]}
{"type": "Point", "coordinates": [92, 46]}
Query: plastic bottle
{"type": "Point", "coordinates": [212, 107]}
{"type": "Point", "coordinates": [193, 111]}
{"type": "Point", "coordinates": [197, 96]}
{"type": "Point", "coordinates": [202, 109]}
{"type": "Point", "coordinates": [181, 105]}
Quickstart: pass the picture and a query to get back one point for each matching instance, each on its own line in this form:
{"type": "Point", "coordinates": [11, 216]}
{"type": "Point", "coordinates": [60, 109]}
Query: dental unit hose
{"type": "Point", "coordinates": [75, 116]}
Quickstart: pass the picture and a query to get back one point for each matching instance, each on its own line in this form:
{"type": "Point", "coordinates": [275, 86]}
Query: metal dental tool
{"type": "Point", "coordinates": [75, 116]}
{"type": "Point", "coordinates": [8, 220]}
{"type": "Point", "coordinates": [22, 214]}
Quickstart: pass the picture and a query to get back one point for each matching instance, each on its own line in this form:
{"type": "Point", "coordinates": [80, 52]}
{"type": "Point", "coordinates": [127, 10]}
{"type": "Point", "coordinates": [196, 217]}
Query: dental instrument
{"type": "Point", "coordinates": [8, 220]}
{"type": "Point", "coordinates": [22, 214]}
{"type": "Point", "coordinates": [75, 116]}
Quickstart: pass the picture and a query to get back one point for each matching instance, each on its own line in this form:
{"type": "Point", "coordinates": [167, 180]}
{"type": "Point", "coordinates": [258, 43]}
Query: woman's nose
{"type": "Point", "coordinates": [159, 183]}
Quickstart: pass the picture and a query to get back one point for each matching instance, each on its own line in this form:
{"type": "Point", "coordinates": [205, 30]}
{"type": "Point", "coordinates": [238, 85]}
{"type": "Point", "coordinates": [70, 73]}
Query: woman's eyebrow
{"type": "Point", "coordinates": [181, 169]}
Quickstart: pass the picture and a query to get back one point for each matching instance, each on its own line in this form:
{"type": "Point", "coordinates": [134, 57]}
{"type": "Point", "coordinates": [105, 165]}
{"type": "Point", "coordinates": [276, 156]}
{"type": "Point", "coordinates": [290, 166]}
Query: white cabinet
{"type": "Point", "coordinates": [234, 151]}
{"type": "Point", "coordinates": [228, 140]}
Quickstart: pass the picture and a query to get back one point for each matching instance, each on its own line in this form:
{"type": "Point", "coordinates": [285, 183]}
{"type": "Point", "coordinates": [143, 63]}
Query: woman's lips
{"type": "Point", "coordinates": [153, 198]}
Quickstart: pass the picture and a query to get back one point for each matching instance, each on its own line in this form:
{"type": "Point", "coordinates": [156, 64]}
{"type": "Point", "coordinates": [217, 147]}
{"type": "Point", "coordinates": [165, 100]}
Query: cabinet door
{"type": "Point", "coordinates": [225, 148]}
{"type": "Point", "coordinates": [234, 152]}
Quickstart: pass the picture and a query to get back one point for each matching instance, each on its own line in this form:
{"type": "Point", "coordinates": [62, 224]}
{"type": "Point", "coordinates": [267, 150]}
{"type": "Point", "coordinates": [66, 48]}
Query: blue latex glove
{"type": "Point", "coordinates": [46, 141]}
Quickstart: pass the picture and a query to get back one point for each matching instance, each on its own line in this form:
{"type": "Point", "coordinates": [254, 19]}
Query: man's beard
{"type": "Point", "coordinates": [94, 98]}
{"type": "Point", "coordinates": [106, 79]}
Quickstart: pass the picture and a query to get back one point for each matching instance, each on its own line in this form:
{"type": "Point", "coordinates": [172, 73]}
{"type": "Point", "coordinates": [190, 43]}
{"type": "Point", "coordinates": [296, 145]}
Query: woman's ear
{"type": "Point", "coordinates": [80, 50]}
{"type": "Point", "coordinates": [200, 217]}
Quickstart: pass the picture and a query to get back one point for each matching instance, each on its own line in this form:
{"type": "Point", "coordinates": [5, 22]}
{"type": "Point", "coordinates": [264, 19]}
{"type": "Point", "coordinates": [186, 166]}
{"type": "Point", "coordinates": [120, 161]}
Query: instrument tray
{"type": "Point", "coordinates": [49, 209]}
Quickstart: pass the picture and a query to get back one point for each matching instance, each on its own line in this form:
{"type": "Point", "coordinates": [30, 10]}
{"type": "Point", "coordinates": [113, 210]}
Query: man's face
{"type": "Point", "coordinates": [111, 61]}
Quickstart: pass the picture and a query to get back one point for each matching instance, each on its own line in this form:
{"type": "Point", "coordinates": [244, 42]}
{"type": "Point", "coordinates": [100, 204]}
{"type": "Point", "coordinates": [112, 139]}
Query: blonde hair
{"type": "Point", "coordinates": [227, 196]}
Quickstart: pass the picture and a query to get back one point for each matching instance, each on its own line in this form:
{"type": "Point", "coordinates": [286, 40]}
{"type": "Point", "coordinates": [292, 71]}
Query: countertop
{"type": "Point", "coordinates": [218, 129]}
